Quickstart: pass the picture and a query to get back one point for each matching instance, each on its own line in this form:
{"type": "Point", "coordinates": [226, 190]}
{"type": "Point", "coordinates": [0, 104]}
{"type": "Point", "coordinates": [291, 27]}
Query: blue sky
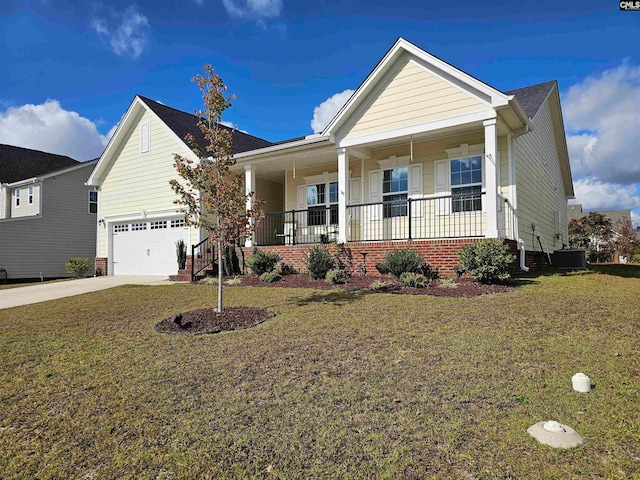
{"type": "Point", "coordinates": [70, 69]}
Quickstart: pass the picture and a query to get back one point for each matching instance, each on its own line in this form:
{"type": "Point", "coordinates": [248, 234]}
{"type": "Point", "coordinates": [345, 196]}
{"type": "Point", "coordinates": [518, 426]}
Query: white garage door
{"type": "Point", "coordinates": [147, 247]}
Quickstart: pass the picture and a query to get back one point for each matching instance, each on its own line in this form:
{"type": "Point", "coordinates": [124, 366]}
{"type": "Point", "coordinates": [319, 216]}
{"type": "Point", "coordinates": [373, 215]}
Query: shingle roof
{"type": "Point", "coordinates": [532, 97]}
{"type": "Point", "coordinates": [183, 123]}
{"type": "Point", "coordinates": [17, 163]}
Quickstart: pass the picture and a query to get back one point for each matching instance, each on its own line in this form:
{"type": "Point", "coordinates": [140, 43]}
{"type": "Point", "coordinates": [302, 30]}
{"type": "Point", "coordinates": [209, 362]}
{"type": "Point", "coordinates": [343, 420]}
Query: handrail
{"type": "Point", "coordinates": [202, 255]}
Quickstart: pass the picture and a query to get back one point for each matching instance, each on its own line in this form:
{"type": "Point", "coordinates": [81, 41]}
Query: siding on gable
{"type": "Point", "coordinates": [31, 246]}
{"type": "Point", "coordinates": [410, 96]}
{"type": "Point", "coordinates": [540, 189]}
{"type": "Point", "coordinates": [138, 182]}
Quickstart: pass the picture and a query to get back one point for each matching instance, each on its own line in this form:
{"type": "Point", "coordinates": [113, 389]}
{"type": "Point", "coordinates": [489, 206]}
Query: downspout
{"type": "Point", "coordinates": [523, 255]}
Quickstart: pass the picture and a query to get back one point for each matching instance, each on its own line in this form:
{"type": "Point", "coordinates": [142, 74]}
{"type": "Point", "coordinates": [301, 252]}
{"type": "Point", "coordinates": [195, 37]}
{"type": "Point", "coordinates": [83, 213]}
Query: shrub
{"type": "Point", "coordinates": [270, 277]}
{"type": "Point", "coordinates": [263, 262]}
{"type": "Point", "coordinates": [286, 269]}
{"type": "Point", "coordinates": [382, 268]}
{"type": "Point", "coordinates": [78, 266]}
{"type": "Point", "coordinates": [233, 281]}
{"type": "Point", "coordinates": [488, 261]}
{"type": "Point", "coordinates": [381, 286]}
{"type": "Point", "coordinates": [318, 261]}
{"type": "Point", "coordinates": [181, 254]}
{"type": "Point", "coordinates": [337, 276]}
{"type": "Point", "coordinates": [448, 283]}
{"type": "Point", "coordinates": [399, 261]}
{"type": "Point", "coordinates": [413, 280]}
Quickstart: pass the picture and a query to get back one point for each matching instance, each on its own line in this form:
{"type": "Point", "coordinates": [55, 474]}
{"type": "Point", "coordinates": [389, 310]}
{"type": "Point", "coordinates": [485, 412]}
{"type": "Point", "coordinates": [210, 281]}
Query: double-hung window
{"type": "Point", "coordinates": [30, 196]}
{"type": "Point", "coordinates": [17, 197]}
{"type": "Point", "coordinates": [93, 201]}
{"type": "Point", "coordinates": [320, 198]}
{"type": "Point", "coordinates": [395, 189]}
{"type": "Point", "coordinates": [466, 184]}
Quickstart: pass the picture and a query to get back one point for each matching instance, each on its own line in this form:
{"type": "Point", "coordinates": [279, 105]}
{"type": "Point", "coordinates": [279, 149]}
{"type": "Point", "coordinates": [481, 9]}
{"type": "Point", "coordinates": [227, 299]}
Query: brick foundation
{"type": "Point", "coordinates": [102, 265]}
{"type": "Point", "coordinates": [442, 254]}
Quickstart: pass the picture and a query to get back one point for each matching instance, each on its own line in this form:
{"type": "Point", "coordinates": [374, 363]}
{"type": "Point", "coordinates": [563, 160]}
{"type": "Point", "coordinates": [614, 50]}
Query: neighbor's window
{"type": "Point", "coordinates": [318, 201]}
{"type": "Point", "coordinates": [93, 201]}
{"type": "Point", "coordinates": [17, 195]}
{"type": "Point", "coordinates": [395, 189]}
{"type": "Point", "coordinates": [466, 184]}
{"type": "Point", "coordinates": [30, 197]}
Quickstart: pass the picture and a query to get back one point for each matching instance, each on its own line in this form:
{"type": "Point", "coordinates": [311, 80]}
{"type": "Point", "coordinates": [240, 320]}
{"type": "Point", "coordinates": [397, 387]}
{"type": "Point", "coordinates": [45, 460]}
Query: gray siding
{"type": "Point", "coordinates": [540, 189]}
{"type": "Point", "coordinates": [40, 245]}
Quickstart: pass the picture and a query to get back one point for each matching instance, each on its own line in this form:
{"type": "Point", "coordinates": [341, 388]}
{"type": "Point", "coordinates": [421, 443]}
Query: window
{"type": "Point", "coordinates": [136, 227]}
{"type": "Point", "coordinates": [17, 196]}
{"type": "Point", "coordinates": [177, 223]}
{"type": "Point", "coordinates": [30, 197]}
{"type": "Point", "coordinates": [93, 201]}
{"type": "Point", "coordinates": [466, 184]}
{"type": "Point", "coordinates": [317, 203]}
{"type": "Point", "coordinates": [123, 227]}
{"type": "Point", "coordinates": [158, 225]}
{"type": "Point", "coordinates": [395, 189]}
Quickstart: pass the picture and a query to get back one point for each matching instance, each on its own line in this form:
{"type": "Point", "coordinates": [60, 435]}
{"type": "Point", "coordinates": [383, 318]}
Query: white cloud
{"type": "Point", "coordinates": [51, 128]}
{"type": "Point", "coordinates": [602, 115]}
{"type": "Point", "coordinates": [232, 125]}
{"type": "Point", "coordinates": [126, 33]}
{"type": "Point", "coordinates": [328, 109]}
{"type": "Point", "coordinates": [259, 10]}
{"type": "Point", "coordinates": [596, 195]}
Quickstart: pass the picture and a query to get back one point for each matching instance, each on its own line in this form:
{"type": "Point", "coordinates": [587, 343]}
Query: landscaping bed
{"type": "Point", "coordinates": [461, 287]}
{"type": "Point", "coordinates": [208, 320]}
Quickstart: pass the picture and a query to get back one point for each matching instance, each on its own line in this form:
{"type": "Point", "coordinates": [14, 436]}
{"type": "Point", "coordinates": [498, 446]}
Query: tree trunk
{"type": "Point", "coordinates": [220, 266]}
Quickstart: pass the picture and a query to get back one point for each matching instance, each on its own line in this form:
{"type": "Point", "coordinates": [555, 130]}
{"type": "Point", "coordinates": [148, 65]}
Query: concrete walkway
{"type": "Point", "coordinates": [15, 297]}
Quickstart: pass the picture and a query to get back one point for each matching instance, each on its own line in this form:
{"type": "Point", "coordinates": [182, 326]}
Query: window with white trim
{"type": "Point", "coordinates": [136, 227]}
{"type": "Point", "coordinates": [466, 184]}
{"type": "Point", "coordinates": [30, 196]}
{"type": "Point", "coordinates": [159, 224]}
{"type": "Point", "coordinates": [178, 223]}
{"type": "Point", "coordinates": [395, 191]}
{"type": "Point", "coordinates": [121, 227]}
{"type": "Point", "coordinates": [17, 197]}
{"type": "Point", "coordinates": [93, 201]}
{"type": "Point", "coordinates": [318, 202]}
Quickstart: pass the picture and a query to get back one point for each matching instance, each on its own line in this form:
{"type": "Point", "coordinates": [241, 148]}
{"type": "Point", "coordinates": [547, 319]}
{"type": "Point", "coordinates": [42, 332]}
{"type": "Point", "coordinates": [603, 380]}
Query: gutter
{"type": "Point", "coordinates": [277, 148]}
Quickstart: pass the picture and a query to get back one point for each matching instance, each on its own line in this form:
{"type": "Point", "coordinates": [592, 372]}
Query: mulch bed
{"type": "Point", "coordinates": [465, 287]}
{"type": "Point", "coordinates": [208, 320]}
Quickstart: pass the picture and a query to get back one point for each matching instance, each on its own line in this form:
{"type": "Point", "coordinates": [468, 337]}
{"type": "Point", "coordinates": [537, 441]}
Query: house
{"type": "Point", "coordinates": [599, 244]}
{"type": "Point", "coordinates": [47, 214]}
{"type": "Point", "coordinates": [422, 155]}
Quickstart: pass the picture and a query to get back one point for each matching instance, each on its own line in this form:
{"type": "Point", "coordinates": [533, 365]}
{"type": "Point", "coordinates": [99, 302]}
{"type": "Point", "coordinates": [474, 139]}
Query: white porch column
{"type": "Point", "coordinates": [491, 176]}
{"type": "Point", "coordinates": [249, 187]}
{"type": "Point", "coordinates": [343, 193]}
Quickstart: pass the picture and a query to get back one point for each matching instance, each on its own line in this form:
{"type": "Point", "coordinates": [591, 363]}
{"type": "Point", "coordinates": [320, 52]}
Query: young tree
{"type": "Point", "coordinates": [624, 237]}
{"type": "Point", "coordinates": [211, 196]}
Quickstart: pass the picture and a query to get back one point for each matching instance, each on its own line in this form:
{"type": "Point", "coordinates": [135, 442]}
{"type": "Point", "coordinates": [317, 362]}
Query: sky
{"type": "Point", "coordinates": [71, 68]}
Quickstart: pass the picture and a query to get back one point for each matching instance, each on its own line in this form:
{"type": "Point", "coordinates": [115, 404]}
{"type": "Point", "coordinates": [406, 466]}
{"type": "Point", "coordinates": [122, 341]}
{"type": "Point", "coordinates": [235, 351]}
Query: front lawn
{"type": "Point", "coordinates": [337, 385]}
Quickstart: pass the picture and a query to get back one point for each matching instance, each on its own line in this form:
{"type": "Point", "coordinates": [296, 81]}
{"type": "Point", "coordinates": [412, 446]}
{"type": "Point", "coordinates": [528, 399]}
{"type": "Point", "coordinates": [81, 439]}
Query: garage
{"type": "Point", "coordinates": [147, 247]}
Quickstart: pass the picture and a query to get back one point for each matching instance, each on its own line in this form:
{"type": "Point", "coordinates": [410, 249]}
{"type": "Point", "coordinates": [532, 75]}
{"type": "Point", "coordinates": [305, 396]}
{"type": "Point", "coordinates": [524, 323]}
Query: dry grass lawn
{"type": "Point", "coordinates": [337, 385]}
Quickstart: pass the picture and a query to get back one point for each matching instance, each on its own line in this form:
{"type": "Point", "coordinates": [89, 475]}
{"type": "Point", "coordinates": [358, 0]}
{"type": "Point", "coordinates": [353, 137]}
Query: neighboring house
{"type": "Point", "coordinates": [47, 213]}
{"type": "Point", "coordinates": [422, 154]}
{"type": "Point", "coordinates": [575, 212]}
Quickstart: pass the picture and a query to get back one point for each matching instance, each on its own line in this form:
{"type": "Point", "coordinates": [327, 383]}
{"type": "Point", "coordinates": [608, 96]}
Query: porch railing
{"type": "Point", "coordinates": [450, 216]}
{"type": "Point", "coordinates": [202, 256]}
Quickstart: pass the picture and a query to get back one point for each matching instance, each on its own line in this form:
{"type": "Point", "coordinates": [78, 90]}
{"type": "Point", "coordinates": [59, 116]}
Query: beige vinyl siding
{"type": "Point", "coordinates": [272, 193]}
{"type": "Point", "coordinates": [31, 246]}
{"type": "Point", "coordinates": [540, 189]}
{"type": "Point", "coordinates": [139, 182]}
{"type": "Point", "coordinates": [410, 96]}
{"type": "Point", "coordinates": [25, 210]}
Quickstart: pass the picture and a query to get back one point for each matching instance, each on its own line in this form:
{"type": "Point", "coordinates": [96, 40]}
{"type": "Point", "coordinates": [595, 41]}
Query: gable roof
{"type": "Point", "coordinates": [17, 163]}
{"type": "Point", "coordinates": [532, 97]}
{"type": "Point", "coordinates": [183, 123]}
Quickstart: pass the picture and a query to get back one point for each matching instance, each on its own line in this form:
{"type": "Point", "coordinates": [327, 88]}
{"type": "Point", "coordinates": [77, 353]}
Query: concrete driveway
{"type": "Point", "coordinates": [15, 297]}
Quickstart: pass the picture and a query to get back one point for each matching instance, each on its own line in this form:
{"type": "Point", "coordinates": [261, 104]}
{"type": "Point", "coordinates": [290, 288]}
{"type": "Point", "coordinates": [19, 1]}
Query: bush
{"type": "Point", "coordinates": [488, 261]}
{"type": "Point", "coordinates": [381, 286]}
{"type": "Point", "coordinates": [413, 280]}
{"type": "Point", "coordinates": [318, 261]}
{"type": "Point", "coordinates": [270, 277]}
{"type": "Point", "coordinates": [286, 269]}
{"type": "Point", "coordinates": [382, 268]}
{"type": "Point", "coordinates": [263, 262]}
{"type": "Point", "coordinates": [181, 254]}
{"type": "Point", "coordinates": [337, 276]}
{"type": "Point", "coordinates": [78, 266]}
{"type": "Point", "coordinates": [400, 261]}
